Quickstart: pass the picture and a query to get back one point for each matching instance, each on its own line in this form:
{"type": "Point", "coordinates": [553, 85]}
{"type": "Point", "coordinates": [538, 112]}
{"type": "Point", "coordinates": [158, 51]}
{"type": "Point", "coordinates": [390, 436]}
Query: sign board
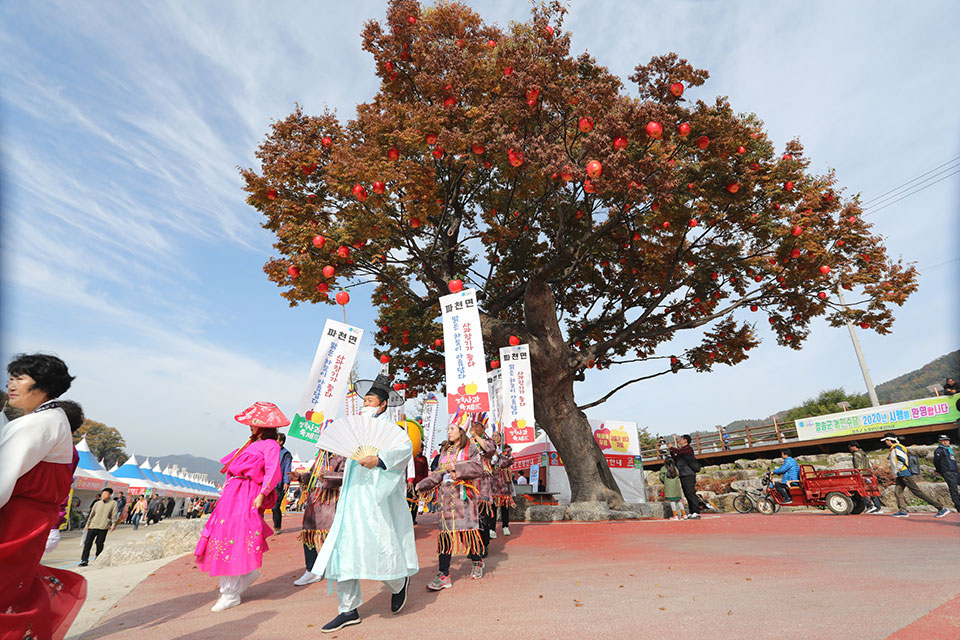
{"type": "Point", "coordinates": [517, 395]}
{"type": "Point", "coordinates": [899, 415]}
{"type": "Point", "coordinates": [616, 437]}
{"type": "Point", "coordinates": [494, 379]}
{"type": "Point", "coordinates": [466, 369]}
{"type": "Point", "coordinates": [535, 476]}
{"type": "Point", "coordinates": [327, 384]}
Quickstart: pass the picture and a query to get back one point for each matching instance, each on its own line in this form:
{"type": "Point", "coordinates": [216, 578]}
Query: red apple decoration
{"type": "Point", "coordinates": [514, 341]}
{"type": "Point", "coordinates": [343, 298]}
{"type": "Point", "coordinates": [438, 153]}
{"type": "Point", "coordinates": [328, 271]}
{"type": "Point", "coordinates": [824, 269]}
{"type": "Point", "coordinates": [654, 130]}
{"type": "Point", "coordinates": [822, 295]}
{"type": "Point", "coordinates": [326, 141]}
{"type": "Point", "coordinates": [455, 286]}
{"type": "Point", "coordinates": [733, 187]}
{"type": "Point", "coordinates": [272, 194]}
{"type": "Point", "coordinates": [788, 185]}
{"type": "Point", "coordinates": [683, 129]}
{"type": "Point", "coordinates": [319, 241]}
{"type": "Point", "coordinates": [495, 364]}
{"type": "Point", "coordinates": [293, 271]}
{"type": "Point", "coordinates": [359, 192]}
{"type": "Point", "coordinates": [479, 149]}
{"type": "Point", "coordinates": [594, 169]}
{"type": "Point", "coordinates": [379, 187]}
{"type": "Point", "coordinates": [620, 143]}
{"type": "Point", "coordinates": [585, 124]}
{"type": "Point", "coordinates": [384, 358]}
{"type": "Point", "coordinates": [515, 157]}
{"type": "Point", "coordinates": [323, 287]}
{"type": "Point", "coordinates": [703, 142]}
{"type": "Point", "coordinates": [677, 89]}
{"type": "Point", "coordinates": [344, 252]}
{"type": "Point", "coordinates": [796, 231]}
{"type": "Point", "coordinates": [393, 154]}
{"type": "Point", "coordinates": [508, 71]}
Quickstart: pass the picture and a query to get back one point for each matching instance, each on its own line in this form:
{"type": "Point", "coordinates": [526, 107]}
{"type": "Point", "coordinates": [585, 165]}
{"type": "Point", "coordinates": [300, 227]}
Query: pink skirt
{"type": "Point", "coordinates": [235, 536]}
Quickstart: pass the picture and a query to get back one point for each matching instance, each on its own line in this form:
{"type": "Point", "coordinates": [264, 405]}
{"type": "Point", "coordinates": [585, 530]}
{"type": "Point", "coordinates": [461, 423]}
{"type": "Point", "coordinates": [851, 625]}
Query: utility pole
{"type": "Point", "coordinates": [863, 363]}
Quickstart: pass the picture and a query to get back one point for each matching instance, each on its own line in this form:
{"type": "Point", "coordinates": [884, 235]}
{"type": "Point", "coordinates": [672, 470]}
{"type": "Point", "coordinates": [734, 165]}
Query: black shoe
{"type": "Point", "coordinates": [342, 620]}
{"type": "Point", "coordinates": [83, 563]}
{"type": "Point", "coordinates": [399, 599]}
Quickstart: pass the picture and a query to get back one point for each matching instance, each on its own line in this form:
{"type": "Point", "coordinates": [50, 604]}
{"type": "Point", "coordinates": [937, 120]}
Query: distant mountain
{"type": "Point", "coordinates": [193, 464]}
{"type": "Point", "coordinates": [914, 384]}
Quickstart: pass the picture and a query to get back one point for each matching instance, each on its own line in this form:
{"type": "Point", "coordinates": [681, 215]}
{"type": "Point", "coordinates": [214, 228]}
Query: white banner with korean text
{"type": "Point", "coordinates": [465, 366]}
{"type": "Point", "coordinates": [326, 387]}
{"type": "Point", "coordinates": [517, 395]}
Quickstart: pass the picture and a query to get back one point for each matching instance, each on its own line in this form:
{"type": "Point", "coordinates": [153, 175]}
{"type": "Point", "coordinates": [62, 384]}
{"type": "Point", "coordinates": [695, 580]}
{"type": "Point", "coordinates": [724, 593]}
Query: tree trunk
{"type": "Point", "coordinates": [557, 412]}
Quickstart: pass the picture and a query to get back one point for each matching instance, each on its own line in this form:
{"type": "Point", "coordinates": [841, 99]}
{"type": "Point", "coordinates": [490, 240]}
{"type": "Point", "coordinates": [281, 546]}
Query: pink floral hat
{"type": "Point", "coordinates": [262, 414]}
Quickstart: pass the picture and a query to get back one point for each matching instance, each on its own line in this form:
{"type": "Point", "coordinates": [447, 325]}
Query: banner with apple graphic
{"type": "Point", "coordinates": [466, 368]}
{"type": "Point", "coordinates": [516, 393]}
{"type": "Point", "coordinates": [616, 437]}
{"type": "Point", "coordinates": [326, 387]}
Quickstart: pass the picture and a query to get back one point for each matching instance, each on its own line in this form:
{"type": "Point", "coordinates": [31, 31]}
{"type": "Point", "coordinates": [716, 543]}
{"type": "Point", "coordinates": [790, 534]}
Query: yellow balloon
{"type": "Point", "coordinates": [415, 434]}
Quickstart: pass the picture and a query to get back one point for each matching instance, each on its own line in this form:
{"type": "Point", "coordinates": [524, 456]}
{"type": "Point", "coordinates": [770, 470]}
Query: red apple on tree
{"type": "Point", "coordinates": [393, 154]}
{"type": "Point", "coordinates": [515, 157]}
{"type": "Point", "coordinates": [455, 286]}
{"type": "Point", "coordinates": [438, 153]}
{"type": "Point", "coordinates": [495, 364]}
{"type": "Point", "coordinates": [594, 169]}
{"type": "Point", "coordinates": [585, 124]}
{"type": "Point", "coordinates": [677, 89]}
{"type": "Point", "coordinates": [379, 187]}
{"type": "Point", "coordinates": [293, 271]}
{"type": "Point", "coordinates": [822, 295]}
{"type": "Point", "coordinates": [508, 71]}
{"type": "Point", "coordinates": [514, 341]}
{"type": "Point", "coordinates": [318, 241]}
{"type": "Point", "coordinates": [328, 271]}
{"type": "Point", "coordinates": [323, 287]}
{"type": "Point", "coordinates": [272, 194]}
{"type": "Point", "coordinates": [703, 142]}
{"type": "Point", "coordinates": [620, 143]}
{"type": "Point", "coordinates": [344, 252]}
{"type": "Point", "coordinates": [824, 269]}
{"type": "Point", "coordinates": [683, 129]}
{"type": "Point", "coordinates": [788, 185]}
{"type": "Point", "coordinates": [654, 129]}
{"type": "Point", "coordinates": [343, 298]}
{"type": "Point", "coordinates": [326, 141]}
{"type": "Point", "coordinates": [796, 231]}
{"type": "Point", "coordinates": [359, 192]}
{"type": "Point", "coordinates": [479, 149]}
{"type": "Point", "coordinates": [384, 358]}
{"type": "Point", "coordinates": [733, 187]}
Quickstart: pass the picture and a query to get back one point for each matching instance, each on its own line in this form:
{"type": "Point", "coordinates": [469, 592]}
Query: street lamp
{"type": "Point", "coordinates": [935, 389]}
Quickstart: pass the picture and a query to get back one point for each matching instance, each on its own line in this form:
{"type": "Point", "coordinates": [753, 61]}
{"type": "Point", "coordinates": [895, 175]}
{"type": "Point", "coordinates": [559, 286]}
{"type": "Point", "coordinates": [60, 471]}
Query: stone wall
{"type": "Point", "coordinates": [179, 537]}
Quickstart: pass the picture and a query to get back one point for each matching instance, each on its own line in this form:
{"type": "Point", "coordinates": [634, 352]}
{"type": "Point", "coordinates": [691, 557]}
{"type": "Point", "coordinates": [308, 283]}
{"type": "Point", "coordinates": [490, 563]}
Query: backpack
{"type": "Point", "coordinates": [913, 464]}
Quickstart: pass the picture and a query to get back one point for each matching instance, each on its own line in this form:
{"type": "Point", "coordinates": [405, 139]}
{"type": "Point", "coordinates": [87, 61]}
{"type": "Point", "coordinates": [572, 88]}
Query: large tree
{"type": "Point", "coordinates": [595, 225]}
{"type": "Point", "coordinates": [105, 442]}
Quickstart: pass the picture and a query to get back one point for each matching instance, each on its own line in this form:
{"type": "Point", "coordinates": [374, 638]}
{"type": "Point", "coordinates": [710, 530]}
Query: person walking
{"type": "Point", "coordinates": [102, 518]}
{"type": "Point", "coordinates": [171, 503]}
{"type": "Point", "coordinates": [862, 462]}
{"type": "Point", "coordinates": [139, 511]}
{"type": "Point", "coordinates": [320, 490]}
{"type": "Point", "coordinates": [286, 466]}
{"type": "Point", "coordinates": [945, 462]}
{"type": "Point", "coordinates": [234, 537]}
{"type": "Point", "coordinates": [687, 467]}
{"type": "Point", "coordinates": [503, 494]}
{"type": "Point", "coordinates": [121, 507]}
{"type": "Point", "coordinates": [900, 466]}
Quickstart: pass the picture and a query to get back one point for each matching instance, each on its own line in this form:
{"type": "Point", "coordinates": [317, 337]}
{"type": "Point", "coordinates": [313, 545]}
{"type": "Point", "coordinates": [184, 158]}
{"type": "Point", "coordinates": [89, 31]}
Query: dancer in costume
{"type": "Point", "coordinates": [503, 489]}
{"type": "Point", "coordinates": [234, 539]}
{"type": "Point", "coordinates": [485, 484]}
{"type": "Point", "coordinates": [371, 537]}
{"type": "Point", "coordinates": [452, 488]}
{"type": "Point", "coordinates": [320, 490]}
{"type": "Point", "coordinates": [37, 460]}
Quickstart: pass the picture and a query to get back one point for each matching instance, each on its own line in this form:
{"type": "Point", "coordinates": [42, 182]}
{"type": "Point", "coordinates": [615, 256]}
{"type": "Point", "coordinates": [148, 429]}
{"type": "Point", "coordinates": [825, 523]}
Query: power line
{"type": "Point", "coordinates": [873, 200]}
{"type": "Point", "coordinates": [881, 201]}
{"type": "Point", "coordinates": [910, 193]}
{"type": "Point", "coordinates": [938, 265]}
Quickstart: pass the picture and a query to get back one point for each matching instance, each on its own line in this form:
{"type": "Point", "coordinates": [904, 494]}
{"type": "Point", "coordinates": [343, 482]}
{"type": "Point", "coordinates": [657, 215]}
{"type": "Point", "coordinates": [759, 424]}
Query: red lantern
{"type": "Point", "coordinates": [343, 298]}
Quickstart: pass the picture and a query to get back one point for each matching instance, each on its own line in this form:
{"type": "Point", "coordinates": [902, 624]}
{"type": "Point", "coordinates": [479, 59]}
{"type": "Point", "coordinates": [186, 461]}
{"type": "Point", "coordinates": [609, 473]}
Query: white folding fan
{"type": "Point", "coordinates": [360, 436]}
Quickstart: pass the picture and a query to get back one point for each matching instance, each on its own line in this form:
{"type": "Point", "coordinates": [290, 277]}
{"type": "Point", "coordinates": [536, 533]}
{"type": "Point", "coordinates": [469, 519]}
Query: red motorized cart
{"type": "Point", "coordinates": [842, 491]}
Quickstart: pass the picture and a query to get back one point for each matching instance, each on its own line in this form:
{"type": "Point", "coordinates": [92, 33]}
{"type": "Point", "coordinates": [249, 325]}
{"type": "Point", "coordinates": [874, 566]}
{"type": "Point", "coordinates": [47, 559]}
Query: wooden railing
{"type": "Point", "coordinates": [733, 439]}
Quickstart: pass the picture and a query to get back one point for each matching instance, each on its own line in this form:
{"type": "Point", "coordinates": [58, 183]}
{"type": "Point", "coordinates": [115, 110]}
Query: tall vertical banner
{"type": "Point", "coordinates": [494, 378]}
{"type": "Point", "coordinates": [398, 412]}
{"type": "Point", "coordinates": [327, 384]}
{"type": "Point", "coordinates": [466, 369]}
{"type": "Point", "coordinates": [431, 411]}
{"type": "Point", "coordinates": [517, 394]}
{"type": "Point", "coordinates": [353, 401]}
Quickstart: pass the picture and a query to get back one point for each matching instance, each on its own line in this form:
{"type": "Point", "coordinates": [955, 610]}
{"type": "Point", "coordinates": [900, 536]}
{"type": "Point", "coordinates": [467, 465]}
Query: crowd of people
{"type": "Point", "coordinates": [359, 514]}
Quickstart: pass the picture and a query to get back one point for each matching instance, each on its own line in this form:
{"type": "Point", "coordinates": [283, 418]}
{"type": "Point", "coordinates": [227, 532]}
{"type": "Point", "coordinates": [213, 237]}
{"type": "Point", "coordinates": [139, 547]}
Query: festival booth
{"type": "Point", "coordinates": [161, 489]}
{"type": "Point", "coordinates": [131, 473]}
{"type": "Point", "coordinates": [620, 445]}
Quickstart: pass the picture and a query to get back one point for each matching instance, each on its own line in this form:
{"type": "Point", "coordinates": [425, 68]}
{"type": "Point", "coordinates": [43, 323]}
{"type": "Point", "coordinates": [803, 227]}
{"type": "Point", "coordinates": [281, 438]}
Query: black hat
{"type": "Point", "coordinates": [380, 388]}
{"type": "Point", "coordinates": [944, 437]}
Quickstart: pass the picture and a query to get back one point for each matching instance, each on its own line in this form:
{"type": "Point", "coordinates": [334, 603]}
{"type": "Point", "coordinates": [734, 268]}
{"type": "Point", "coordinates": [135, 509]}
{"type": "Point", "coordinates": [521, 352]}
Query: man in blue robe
{"type": "Point", "coordinates": [371, 537]}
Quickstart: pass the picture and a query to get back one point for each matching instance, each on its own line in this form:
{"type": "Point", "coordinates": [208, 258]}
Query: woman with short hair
{"type": "Point", "coordinates": [37, 460]}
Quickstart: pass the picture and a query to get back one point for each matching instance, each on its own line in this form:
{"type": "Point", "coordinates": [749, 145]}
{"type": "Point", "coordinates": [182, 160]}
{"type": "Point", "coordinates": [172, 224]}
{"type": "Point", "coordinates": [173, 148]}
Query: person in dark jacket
{"type": "Point", "coordinates": [286, 463]}
{"type": "Point", "coordinates": [687, 466]}
{"type": "Point", "coordinates": [945, 462]}
{"type": "Point", "coordinates": [861, 461]}
{"type": "Point", "coordinates": [170, 504]}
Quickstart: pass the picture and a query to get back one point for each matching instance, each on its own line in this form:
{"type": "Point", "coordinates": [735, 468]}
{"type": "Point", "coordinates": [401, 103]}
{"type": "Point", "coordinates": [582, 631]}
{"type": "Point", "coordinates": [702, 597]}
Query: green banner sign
{"type": "Point", "coordinates": [304, 429]}
{"type": "Point", "coordinates": [900, 415]}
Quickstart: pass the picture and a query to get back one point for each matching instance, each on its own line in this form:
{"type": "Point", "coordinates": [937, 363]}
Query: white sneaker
{"type": "Point", "coordinates": [506, 531]}
{"type": "Point", "coordinates": [248, 580]}
{"type": "Point", "coordinates": [493, 534]}
{"type": "Point", "coordinates": [225, 602]}
{"type": "Point", "coordinates": [308, 577]}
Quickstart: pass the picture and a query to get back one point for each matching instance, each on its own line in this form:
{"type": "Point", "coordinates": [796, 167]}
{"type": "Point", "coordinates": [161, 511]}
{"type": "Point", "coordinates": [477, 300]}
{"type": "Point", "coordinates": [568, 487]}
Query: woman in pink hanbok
{"type": "Point", "coordinates": [233, 541]}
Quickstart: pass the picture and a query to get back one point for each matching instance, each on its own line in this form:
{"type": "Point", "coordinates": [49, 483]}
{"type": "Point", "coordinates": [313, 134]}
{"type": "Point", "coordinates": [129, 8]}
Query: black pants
{"type": "Point", "coordinates": [309, 557]}
{"type": "Point", "coordinates": [100, 535]}
{"type": "Point", "coordinates": [953, 479]}
{"type": "Point", "coordinates": [504, 516]}
{"type": "Point", "coordinates": [277, 514]}
{"type": "Point", "coordinates": [445, 562]}
{"type": "Point", "coordinates": [783, 490]}
{"type": "Point", "coordinates": [488, 521]}
{"type": "Point", "coordinates": [689, 484]}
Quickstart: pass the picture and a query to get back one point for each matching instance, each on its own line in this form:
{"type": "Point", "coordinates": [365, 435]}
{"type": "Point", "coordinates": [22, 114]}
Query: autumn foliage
{"type": "Point", "coordinates": [595, 222]}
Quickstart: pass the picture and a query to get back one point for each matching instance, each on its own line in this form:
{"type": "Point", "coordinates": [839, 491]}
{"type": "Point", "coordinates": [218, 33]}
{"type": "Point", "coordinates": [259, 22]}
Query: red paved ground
{"type": "Point", "coordinates": [802, 575]}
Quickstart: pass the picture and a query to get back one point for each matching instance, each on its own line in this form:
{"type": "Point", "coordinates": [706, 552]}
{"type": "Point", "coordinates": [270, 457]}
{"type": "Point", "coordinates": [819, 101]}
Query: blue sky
{"type": "Point", "coordinates": [126, 246]}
